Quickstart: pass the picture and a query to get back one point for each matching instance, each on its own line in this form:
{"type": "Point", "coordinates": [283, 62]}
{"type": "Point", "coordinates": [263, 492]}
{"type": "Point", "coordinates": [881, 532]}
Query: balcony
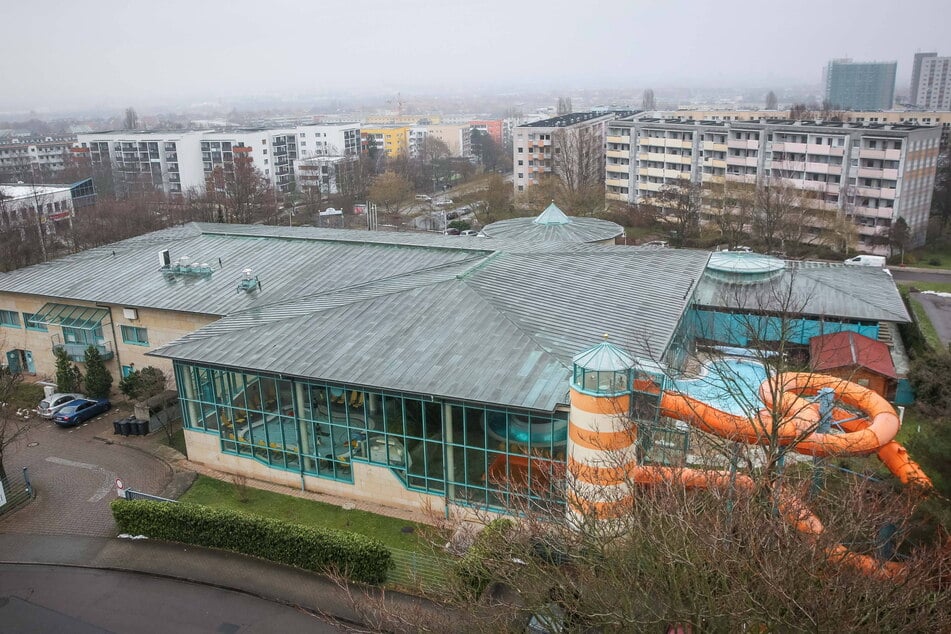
{"type": "Point", "coordinates": [77, 351]}
{"type": "Point", "coordinates": [714, 146]}
{"type": "Point", "coordinates": [618, 153]}
{"type": "Point", "coordinates": [797, 148]}
{"type": "Point", "coordinates": [872, 154]}
{"type": "Point", "coordinates": [616, 182]}
{"type": "Point", "coordinates": [871, 172]}
{"type": "Point", "coordinates": [743, 144]}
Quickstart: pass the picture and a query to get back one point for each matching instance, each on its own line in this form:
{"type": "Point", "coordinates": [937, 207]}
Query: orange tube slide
{"type": "Point", "coordinates": [798, 419]}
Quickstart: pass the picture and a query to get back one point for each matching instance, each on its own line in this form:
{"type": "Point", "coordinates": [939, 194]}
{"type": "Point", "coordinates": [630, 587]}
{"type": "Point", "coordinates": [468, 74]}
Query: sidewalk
{"type": "Point", "coordinates": [266, 580]}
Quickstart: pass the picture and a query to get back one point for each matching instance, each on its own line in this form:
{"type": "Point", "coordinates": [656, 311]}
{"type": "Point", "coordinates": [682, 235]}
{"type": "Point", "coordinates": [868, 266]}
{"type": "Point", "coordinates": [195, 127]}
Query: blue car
{"type": "Point", "coordinates": [81, 410]}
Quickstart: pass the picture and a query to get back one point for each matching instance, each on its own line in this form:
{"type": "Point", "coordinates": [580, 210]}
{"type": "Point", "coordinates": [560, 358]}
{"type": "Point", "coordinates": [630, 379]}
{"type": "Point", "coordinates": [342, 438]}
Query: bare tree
{"type": "Point", "coordinates": [771, 101]}
{"type": "Point", "coordinates": [12, 426]}
{"type": "Point", "coordinates": [678, 206]}
{"type": "Point", "coordinates": [648, 102]}
{"type": "Point", "coordinates": [495, 201]}
{"type": "Point", "coordinates": [391, 191]}
{"type": "Point", "coordinates": [242, 195]}
{"type": "Point", "coordinates": [578, 167]}
{"type": "Point", "coordinates": [130, 120]}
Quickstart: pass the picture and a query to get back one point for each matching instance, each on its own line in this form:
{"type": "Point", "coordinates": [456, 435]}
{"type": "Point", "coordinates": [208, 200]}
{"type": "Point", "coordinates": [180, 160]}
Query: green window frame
{"type": "Point", "coordinates": [134, 335]}
{"type": "Point", "coordinates": [9, 319]}
{"type": "Point", "coordinates": [31, 325]}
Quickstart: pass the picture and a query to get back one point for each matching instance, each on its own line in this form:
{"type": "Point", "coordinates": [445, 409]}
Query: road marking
{"type": "Point", "coordinates": [72, 463]}
{"type": "Point", "coordinates": [103, 490]}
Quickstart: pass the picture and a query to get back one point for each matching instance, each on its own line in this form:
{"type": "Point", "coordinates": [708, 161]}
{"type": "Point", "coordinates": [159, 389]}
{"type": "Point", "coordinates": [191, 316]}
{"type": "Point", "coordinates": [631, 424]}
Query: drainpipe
{"type": "Point", "coordinates": [115, 342]}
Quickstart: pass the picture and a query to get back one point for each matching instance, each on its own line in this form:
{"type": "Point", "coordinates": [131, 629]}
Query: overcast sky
{"type": "Point", "coordinates": [68, 54]}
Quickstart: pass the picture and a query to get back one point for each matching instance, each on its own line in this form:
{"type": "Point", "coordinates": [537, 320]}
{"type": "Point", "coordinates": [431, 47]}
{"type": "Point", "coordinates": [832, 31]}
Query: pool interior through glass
{"type": "Point", "coordinates": [467, 453]}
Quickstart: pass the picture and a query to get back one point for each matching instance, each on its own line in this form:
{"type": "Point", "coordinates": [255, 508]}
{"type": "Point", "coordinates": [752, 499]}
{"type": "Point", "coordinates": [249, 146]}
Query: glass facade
{"type": "Point", "coordinates": [464, 453]}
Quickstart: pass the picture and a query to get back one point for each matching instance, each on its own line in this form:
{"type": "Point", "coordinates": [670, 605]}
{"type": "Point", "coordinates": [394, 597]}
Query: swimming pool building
{"type": "Point", "coordinates": [410, 369]}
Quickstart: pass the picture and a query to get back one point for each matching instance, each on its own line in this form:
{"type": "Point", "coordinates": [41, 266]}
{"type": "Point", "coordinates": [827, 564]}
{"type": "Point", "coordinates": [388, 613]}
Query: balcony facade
{"type": "Point", "coordinates": [76, 351]}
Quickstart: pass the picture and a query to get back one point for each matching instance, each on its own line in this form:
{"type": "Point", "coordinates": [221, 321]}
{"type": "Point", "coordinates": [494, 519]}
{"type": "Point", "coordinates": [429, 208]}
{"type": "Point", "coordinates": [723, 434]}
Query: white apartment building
{"type": "Point", "coordinates": [931, 82]}
{"type": "Point", "coordinates": [872, 173]}
{"type": "Point", "coordinates": [24, 158]}
{"type": "Point", "coordinates": [325, 175]}
{"type": "Point", "coordinates": [537, 146]}
{"type": "Point", "coordinates": [176, 162]}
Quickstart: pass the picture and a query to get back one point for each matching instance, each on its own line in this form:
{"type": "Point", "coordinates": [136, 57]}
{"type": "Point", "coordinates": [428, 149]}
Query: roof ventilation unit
{"type": "Point", "coordinates": [249, 281]}
{"type": "Point", "coordinates": [184, 266]}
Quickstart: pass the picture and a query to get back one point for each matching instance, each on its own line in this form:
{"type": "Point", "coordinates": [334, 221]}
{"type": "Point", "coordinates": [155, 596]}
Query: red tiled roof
{"type": "Point", "coordinates": [849, 349]}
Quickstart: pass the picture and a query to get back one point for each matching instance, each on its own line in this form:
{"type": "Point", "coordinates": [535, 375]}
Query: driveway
{"type": "Point", "coordinates": [74, 476]}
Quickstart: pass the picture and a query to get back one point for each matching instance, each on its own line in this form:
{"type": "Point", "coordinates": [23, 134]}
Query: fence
{"type": "Point", "coordinates": [422, 571]}
{"type": "Point", "coordinates": [16, 491]}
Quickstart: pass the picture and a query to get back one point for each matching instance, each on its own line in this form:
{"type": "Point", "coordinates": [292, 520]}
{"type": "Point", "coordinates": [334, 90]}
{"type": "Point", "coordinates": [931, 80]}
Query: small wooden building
{"type": "Point", "coordinates": [856, 358]}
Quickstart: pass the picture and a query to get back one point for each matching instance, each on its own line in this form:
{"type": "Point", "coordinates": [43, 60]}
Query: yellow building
{"type": "Point", "coordinates": [393, 140]}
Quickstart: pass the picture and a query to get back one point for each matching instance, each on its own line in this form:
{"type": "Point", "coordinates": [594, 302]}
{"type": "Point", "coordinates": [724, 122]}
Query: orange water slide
{"type": "Point", "coordinates": [797, 420]}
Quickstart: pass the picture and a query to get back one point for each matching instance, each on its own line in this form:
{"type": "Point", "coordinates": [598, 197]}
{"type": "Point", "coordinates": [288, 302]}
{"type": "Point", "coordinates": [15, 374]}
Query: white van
{"type": "Point", "coordinates": [867, 260]}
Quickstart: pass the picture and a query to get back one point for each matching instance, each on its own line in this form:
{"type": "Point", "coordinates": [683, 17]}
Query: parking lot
{"type": "Point", "coordinates": [73, 473]}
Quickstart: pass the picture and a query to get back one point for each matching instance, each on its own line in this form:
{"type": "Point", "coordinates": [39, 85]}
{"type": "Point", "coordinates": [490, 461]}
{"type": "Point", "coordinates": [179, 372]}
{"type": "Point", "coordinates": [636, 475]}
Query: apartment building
{"type": "Point", "coordinates": [392, 141]}
{"type": "Point", "coordinates": [539, 148]}
{"type": "Point", "coordinates": [457, 137]}
{"type": "Point", "coordinates": [860, 85]}
{"type": "Point", "coordinates": [22, 159]}
{"type": "Point", "coordinates": [871, 173]}
{"type": "Point", "coordinates": [931, 82]}
{"type": "Point", "coordinates": [324, 175]}
{"type": "Point", "coordinates": [176, 162]}
{"type": "Point", "coordinates": [940, 118]}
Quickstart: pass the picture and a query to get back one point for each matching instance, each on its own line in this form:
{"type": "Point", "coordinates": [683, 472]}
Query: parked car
{"type": "Point", "coordinates": [469, 232]}
{"type": "Point", "coordinates": [444, 202]}
{"type": "Point", "coordinates": [81, 410]}
{"type": "Point", "coordinates": [50, 405]}
{"type": "Point", "coordinates": [451, 231]}
{"type": "Point", "coordinates": [423, 198]}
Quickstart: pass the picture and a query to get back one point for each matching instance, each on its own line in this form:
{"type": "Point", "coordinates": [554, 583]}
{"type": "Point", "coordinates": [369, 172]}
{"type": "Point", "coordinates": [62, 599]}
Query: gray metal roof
{"type": "Point", "coordinates": [289, 264]}
{"type": "Point", "coordinates": [499, 328]}
{"type": "Point", "coordinates": [833, 290]}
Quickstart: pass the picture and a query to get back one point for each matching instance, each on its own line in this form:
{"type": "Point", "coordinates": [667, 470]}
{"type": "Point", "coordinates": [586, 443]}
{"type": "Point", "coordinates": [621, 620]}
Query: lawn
{"type": "Point", "coordinates": [924, 324]}
{"type": "Point", "coordinates": [929, 258]}
{"type": "Point", "coordinates": [938, 287]}
{"type": "Point", "coordinates": [391, 531]}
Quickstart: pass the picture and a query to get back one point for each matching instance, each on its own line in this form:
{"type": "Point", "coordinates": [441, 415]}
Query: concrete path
{"type": "Point", "coordinates": [938, 309]}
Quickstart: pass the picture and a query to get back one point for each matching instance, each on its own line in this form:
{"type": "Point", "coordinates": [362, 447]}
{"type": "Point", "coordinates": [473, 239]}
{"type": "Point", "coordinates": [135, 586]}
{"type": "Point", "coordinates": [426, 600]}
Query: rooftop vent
{"type": "Point", "coordinates": [249, 281]}
{"type": "Point", "coordinates": [183, 266]}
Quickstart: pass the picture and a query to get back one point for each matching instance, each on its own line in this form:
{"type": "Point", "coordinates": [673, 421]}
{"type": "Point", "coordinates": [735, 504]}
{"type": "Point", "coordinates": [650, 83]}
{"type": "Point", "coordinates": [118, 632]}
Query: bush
{"type": "Point", "coordinates": [358, 557]}
{"type": "Point", "coordinates": [476, 569]}
{"type": "Point", "coordinates": [934, 261]}
{"type": "Point", "coordinates": [68, 376]}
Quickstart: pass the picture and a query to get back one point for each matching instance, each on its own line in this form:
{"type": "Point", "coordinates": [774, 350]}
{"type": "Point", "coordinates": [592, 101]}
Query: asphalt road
{"type": "Point", "coordinates": [35, 598]}
{"type": "Point", "coordinates": [900, 275]}
{"type": "Point", "coordinates": [938, 310]}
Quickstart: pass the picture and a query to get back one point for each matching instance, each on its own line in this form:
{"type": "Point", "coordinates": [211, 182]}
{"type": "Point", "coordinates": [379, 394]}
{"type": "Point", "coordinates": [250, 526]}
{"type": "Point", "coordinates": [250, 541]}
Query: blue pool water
{"type": "Point", "coordinates": [730, 385]}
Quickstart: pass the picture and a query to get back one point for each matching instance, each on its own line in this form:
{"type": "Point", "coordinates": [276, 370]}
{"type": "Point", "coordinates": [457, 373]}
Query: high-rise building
{"type": "Point", "coordinates": [860, 85]}
{"type": "Point", "coordinates": [931, 82]}
{"type": "Point", "coordinates": [27, 159]}
{"type": "Point", "coordinates": [871, 174]}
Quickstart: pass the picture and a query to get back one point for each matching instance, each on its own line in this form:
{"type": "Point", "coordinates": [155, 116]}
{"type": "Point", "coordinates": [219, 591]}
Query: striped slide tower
{"type": "Point", "coordinates": [601, 437]}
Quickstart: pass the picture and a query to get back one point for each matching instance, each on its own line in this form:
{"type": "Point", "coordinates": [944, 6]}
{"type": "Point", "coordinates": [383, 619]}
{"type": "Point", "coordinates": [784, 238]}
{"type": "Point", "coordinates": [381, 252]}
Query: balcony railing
{"type": "Point", "coordinates": [77, 351]}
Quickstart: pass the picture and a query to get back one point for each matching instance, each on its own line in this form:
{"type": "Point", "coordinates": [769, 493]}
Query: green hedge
{"type": "Point", "coordinates": [358, 557]}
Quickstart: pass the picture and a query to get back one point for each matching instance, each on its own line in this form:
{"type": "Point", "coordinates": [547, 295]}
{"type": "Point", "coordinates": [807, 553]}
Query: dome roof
{"type": "Point", "coordinates": [740, 267]}
{"type": "Point", "coordinates": [604, 357]}
{"type": "Point", "coordinates": [554, 225]}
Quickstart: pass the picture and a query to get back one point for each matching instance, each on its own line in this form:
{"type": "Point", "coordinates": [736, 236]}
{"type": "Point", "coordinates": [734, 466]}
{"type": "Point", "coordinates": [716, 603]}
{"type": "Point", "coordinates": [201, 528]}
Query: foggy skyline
{"type": "Point", "coordinates": [58, 55]}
